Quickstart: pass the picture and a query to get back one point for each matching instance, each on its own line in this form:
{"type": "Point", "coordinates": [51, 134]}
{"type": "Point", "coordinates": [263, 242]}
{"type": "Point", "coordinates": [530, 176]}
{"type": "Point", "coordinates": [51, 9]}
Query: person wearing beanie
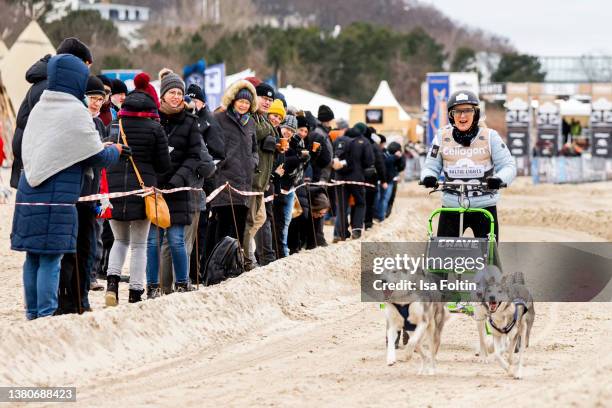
{"type": "Point", "coordinates": [189, 162]}
{"type": "Point", "coordinates": [376, 176]}
{"type": "Point", "coordinates": [236, 120]}
{"type": "Point", "coordinates": [37, 76]}
{"type": "Point", "coordinates": [267, 137]}
{"type": "Point", "coordinates": [352, 157]}
{"type": "Point", "coordinates": [321, 160]}
{"type": "Point", "coordinates": [212, 135]}
{"type": "Point", "coordinates": [295, 158]}
{"type": "Point", "coordinates": [105, 111]}
{"type": "Point", "coordinates": [395, 162]}
{"type": "Point", "coordinates": [75, 47]}
{"type": "Point", "coordinates": [145, 135]}
{"type": "Point", "coordinates": [60, 146]}
{"type": "Point", "coordinates": [280, 96]}
{"type": "Point", "coordinates": [276, 113]}
{"type": "Point", "coordinates": [118, 93]}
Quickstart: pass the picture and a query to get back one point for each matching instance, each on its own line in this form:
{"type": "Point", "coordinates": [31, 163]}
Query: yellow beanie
{"type": "Point", "coordinates": [278, 108]}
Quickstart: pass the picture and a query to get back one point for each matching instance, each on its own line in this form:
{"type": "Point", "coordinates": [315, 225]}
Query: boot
{"type": "Point", "coordinates": [356, 233]}
{"type": "Point", "coordinates": [136, 295]}
{"type": "Point", "coordinates": [182, 287]}
{"type": "Point", "coordinates": [153, 291]}
{"type": "Point", "coordinates": [112, 290]}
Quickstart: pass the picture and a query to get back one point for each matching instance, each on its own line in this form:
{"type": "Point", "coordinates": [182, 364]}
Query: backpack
{"type": "Point", "coordinates": [225, 261]}
{"type": "Point", "coordinates": [343, 151]}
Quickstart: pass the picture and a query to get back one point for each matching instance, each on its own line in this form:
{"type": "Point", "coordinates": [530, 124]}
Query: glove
{"type": "Point", "coordinates": [126, 151]}
{"type": "Point", "coordinates": [494, 183]}
{"type": "Point", "coordinates": [430, 182]}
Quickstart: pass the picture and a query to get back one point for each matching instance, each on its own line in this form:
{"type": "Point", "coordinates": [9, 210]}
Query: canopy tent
{"type": "Point", "coordinates": [310, 101]}
{"type": "Point", "coordinates": [384, 97]}
{"type": "Point", "coordinates": [31, 45]}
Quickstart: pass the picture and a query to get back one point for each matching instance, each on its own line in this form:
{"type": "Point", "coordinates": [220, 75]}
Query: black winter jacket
{"type": "Point", "coordinates": [379, 164]}
{"type": "Point", "coordinates": [240, 161]}
{"type": "Point", "coordinates": [321, 160]}
{"type": "Point", "coordinates": [149, 145]}
{"type": "Point", "coordinates": [212, 133]}
{"type": "Point", "coordinates": [357, 151]}
{"type": "Point", "coordinates": [37, 76]}
{"type": "Point", "coordinates": [187, 156]}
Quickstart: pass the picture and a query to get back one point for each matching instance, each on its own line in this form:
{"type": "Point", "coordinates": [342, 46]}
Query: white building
{"type": "Point", "coordinates": [128, 19]}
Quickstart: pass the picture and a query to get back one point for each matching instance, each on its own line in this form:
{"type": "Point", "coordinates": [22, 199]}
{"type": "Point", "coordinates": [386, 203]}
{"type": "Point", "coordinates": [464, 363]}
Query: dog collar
{"type": "Point", "coordinates": [509, 326]}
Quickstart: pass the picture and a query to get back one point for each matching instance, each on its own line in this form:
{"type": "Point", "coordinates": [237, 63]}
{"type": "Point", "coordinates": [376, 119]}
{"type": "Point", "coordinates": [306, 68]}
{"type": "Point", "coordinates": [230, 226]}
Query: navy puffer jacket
{"type": "Point", "coordinates": [52, 229]}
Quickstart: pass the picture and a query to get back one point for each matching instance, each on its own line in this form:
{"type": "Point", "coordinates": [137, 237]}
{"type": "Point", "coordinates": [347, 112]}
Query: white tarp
{"type": "Point", "coordinates": [310, 101]}
{"type": "Point", "coordinates": [384, 97]}
{"type": "Point", "coordinates": [31, 45]}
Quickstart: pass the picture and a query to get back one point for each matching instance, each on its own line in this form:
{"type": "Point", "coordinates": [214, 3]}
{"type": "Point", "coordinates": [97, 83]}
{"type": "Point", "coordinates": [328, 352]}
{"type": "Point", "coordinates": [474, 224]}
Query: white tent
{"type": "Point", "coordinates": [310, 101]}
{"type": "Point", "coordinates": [31, 45]}
{"type": "Point", "coordinates": [384, 97]}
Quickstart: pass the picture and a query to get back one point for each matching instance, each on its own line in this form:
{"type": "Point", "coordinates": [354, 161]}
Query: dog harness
{"type": "Point", "coordinates": [509, 326]}
{"type": "Point", "coordinates": [403, 310]}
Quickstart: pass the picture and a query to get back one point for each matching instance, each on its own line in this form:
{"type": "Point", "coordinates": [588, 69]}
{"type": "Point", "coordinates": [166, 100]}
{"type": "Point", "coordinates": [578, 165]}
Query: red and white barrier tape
{"type": "Point", "coordinates": [147, 191]}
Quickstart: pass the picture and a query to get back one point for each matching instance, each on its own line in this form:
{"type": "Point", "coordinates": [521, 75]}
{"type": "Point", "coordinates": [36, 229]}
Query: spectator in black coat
{"type": "Point", "coordinates": [374, 178]}
{"type": "Point", "coordinates": [189, 160]}
{"type": "Point", "coordinates": [353, 154]}
{"type": "Point", "coordinates": [146, 137]}
{"type": "Point", "coordinates": [37, 76]}
{"type": "Point", "coordinates": [212, 134]}
{"type": "Point", "coordinates": [395, 163]}
{"type": "Point", "coordinates": [235, 118]}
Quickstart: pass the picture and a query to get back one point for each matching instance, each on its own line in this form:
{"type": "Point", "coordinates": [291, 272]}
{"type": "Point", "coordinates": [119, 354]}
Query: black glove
{"type": "Point", "coordinates": [430, 182]}
{"type": "Point", "coordinates": [494, 183]}
{"type": "Point", "coordinates": [126, 151]}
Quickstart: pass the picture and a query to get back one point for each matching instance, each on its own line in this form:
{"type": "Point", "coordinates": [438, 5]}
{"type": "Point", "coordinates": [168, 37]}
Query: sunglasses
{"type": "Point", "coordinates": [467, 112]}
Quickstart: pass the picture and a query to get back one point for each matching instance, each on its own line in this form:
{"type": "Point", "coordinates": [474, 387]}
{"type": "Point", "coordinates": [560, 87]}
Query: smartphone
{"type": "Point", "coordinates": [114, 134]}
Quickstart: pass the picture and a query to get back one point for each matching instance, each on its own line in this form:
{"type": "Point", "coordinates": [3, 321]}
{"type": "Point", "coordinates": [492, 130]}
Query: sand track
{"type": "Point", "coordinates": [296, 333]}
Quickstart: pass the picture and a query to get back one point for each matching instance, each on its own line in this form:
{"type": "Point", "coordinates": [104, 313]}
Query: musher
{"type": "Point", "coordinates": [467, 150]}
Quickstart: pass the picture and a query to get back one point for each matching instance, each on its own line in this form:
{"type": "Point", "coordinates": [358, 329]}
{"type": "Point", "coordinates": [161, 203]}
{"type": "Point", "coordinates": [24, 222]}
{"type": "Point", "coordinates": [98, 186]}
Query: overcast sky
{"type": "Point", "coordinates": [540, 27]}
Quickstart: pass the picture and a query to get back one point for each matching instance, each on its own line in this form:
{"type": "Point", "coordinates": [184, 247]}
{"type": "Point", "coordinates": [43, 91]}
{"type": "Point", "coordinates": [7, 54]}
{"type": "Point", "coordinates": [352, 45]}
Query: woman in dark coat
{"type": "Point", "coordinates": [241, 159]}
{"type": "Point", "coordinates": [149, 145]}
{"type": "Point", "coordinates": [186, 153]}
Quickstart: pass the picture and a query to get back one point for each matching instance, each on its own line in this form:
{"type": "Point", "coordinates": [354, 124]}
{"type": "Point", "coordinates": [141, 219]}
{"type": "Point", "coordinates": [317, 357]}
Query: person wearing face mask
{"type": "Point", "coordinates": [239, 104]}
{"type": "Point", "coordinates": [187, 157]}
{"type": "Point", "coordinates": [465, 146]}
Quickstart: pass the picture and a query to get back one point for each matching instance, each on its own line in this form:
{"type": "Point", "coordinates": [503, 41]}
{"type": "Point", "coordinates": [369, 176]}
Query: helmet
{"type": "Point", "coordinates": [463, 98]}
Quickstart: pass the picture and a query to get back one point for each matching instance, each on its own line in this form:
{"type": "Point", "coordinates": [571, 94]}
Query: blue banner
{"type": "Point", "coordinates": [438, 90]}
{"type": "Point", "coordinates": [214, 81]}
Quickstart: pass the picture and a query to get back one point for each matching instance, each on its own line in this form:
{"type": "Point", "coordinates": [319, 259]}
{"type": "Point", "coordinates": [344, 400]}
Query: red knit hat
{"type": "Point", "coordinates": [142, 82]}
{"type": "Point", "coordinates": [254, 80]}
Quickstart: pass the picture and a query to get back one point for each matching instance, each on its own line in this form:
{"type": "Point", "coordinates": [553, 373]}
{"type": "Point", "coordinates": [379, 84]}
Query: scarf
{"type": "Point", "coordinates": [60, 134]}
{"type": "Point", "coordinates": [242, 119]}
{"type": "Point", "coordinates": [169, 110]}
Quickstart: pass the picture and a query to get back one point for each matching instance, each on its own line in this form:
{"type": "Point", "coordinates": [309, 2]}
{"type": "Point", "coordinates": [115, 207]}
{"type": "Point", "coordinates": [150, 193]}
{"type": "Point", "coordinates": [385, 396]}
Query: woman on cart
{"type": "Point", "coordinates": [466, 150]}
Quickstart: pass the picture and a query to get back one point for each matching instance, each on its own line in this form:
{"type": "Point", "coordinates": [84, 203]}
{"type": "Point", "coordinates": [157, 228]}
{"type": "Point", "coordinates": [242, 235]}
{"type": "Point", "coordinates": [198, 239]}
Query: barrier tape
{"type": "Point", "coordinates": [148, 191]}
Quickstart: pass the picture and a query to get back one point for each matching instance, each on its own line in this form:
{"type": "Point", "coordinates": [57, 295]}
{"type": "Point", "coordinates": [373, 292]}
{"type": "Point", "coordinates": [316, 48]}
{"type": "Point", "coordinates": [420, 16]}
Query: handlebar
{"type": "Point", "coordinates": [459, 183]}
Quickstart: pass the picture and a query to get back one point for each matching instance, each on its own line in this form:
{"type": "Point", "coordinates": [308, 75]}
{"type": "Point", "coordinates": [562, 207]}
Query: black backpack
{"type": "Point", "coordinates": [225, 261]}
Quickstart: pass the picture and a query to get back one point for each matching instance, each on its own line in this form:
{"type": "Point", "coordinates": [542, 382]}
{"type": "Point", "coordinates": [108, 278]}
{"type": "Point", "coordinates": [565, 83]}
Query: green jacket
{"type": "Point", "coordinates": [263, 129]}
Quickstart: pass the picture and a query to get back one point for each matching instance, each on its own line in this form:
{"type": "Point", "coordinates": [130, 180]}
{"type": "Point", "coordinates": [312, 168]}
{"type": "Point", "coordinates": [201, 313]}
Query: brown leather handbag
{"type": "Point", "coordinates": [156, 207]}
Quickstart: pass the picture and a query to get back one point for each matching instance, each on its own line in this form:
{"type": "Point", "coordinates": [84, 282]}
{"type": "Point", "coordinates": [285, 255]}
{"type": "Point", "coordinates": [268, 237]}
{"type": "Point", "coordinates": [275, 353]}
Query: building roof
{"type": "Point", "coordinates": [384, 97]}
{"type": "Point", "coordinates": [310, 101]}
{"type": "Point", "coordinates": [31, 45]}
